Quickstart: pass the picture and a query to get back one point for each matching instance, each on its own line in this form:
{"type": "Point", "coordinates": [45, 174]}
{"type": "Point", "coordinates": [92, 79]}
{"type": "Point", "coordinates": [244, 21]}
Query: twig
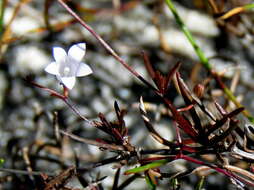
{"type": "Point", "coordinates": [2, 10]}
{"type": "Point", "coordinates": [56, 126]}
{"type": "Point", "coordinates": [61, 179]}
{"type": "Point", "coordinates": [128, 181]}
{"type": "Point", "coordinates": [62, 97]}
{"type": "Point", "coordinates": [236, 11]}
{"type": "Point", "coordinates": [75, 110]}
{"type": "Point", "coordinates": [92, 142]}
{"type": "Point", "coordinates": [240, 171]}
{"type": "Point", "coordinates": [27, 162]}
{"type": "Point", "coordinates": [116, 179]}
{"type": "Point", "coordinates": [220, 170]}
{"type": "Point", "coordinates": [23, 172]}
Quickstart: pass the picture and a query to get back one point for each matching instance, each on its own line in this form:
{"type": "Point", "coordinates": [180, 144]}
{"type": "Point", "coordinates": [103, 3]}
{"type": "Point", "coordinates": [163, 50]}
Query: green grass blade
{"type": "Point", "coordinates": [249, 6]}
{"type": "Point", "coordinates": [200, 183]}
{"type": "Point", "coordinates": [154, 164]}
{"type": "Point", "coordinates": [150, 184]}
{"type": "Point", "coordinates": [189, 36]}
{"type": "Point", "coordinates": [1, 162]}
{"type": "Point", "coordinates": [2, 8]}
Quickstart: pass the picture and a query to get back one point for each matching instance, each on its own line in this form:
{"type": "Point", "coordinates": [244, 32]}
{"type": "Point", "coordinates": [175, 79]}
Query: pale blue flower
{"type": "Point", "coordinates": [68, 66]}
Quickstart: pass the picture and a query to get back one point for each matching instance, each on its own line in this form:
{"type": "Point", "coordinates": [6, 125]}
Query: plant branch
{"type": "Point", "coordinates": [92, 142]}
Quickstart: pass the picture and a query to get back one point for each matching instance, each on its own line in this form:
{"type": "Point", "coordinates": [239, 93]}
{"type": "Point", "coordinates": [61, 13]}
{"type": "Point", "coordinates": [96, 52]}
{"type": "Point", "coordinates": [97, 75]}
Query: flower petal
{"type": "Point", "coordinates": [52, 68]}
{"type": "Point", "coordinates": [69, 82]}
{"type": "Point", "coordinates": [59, 54]}
{"type": "Point", "coordinates": [83, 70]}
{"type": "Point", "coordinates": [77, 51]}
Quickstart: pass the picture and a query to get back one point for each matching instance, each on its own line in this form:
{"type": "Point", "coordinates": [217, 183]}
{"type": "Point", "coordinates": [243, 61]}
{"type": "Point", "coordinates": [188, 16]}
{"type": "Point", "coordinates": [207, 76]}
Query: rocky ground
{"type": "Point", "coordinates": [29, 115]}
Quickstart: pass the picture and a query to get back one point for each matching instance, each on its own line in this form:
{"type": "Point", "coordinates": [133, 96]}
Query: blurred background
{"type": "Point", "coordinates": [30, 29]}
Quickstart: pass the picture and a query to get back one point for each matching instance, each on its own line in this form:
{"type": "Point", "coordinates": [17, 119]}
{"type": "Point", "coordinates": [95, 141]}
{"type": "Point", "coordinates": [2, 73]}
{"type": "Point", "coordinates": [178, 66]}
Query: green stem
{"type": "Point", "coordinates": [2, 6]}
{"type": "Point", "coordinates": [249, 6]}
{"type": "Point", "coordinates": [188, 34]}
{"type": "Point", "coordinates": [200, 183]}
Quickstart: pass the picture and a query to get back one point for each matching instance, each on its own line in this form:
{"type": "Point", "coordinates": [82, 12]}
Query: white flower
{"type": "Point", "coordinates": [68, 66]}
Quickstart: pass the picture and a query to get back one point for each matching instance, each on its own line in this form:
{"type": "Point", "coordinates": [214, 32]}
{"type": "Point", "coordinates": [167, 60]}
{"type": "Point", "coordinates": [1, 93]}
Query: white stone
{"type": "Point", "coordinates": [30, 59]}
{"type": "Point", "coordinates": [201, 24]}
{"type": "Point", "coordinates": [150, 35]}
{"type": "Point", "coordinates": [195, 21]}
{"type": "Point", "coordinates": [22, 25]}
{"type": "Point", "coordinates": [179, 43]}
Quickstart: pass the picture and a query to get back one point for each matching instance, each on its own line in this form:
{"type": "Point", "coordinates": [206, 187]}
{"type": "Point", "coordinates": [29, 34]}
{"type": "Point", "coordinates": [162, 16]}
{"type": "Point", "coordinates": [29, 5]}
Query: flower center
{"type": "Point", "coordinates": [66, 71]}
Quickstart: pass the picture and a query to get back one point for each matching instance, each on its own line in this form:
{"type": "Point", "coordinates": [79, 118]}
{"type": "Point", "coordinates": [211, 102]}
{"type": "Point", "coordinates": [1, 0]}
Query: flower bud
{"type": "Point", "coordinates": [199, 90]}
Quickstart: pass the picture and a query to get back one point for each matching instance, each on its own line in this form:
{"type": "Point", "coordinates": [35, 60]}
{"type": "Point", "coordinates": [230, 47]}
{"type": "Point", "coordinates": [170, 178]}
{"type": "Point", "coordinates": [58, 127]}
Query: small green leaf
{"type": "Point", "coordinates": [249, 6]}
{"type": "Point", "coordinates": [1, 161]}
{"type": "Point", "coordinates": [200, 183]}
{"type": "Point", "coordinates": [150, 183]}
{"type": "Point", "coordinates": [154, 164]}
{"type": "Point", "coordinates": [175, 184]}
{"type": "Point", "coordinates": [2, 8]}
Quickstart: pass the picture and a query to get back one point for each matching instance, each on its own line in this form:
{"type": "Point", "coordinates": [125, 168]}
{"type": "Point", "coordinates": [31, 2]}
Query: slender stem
{"type": "Point", "coordinates": [188, 34]}
{"type": "Point", "coordinates": [92, 142]}
{"type": "Point", "coordinates": [116, 179]}
{"type": "Point", "coordinates": [200, 183]}
{"type": "Point", "coordinates": [236, 11]}
{"type": "Point", "coordinates": [128, 181]}
{"type": "Point", "coordinates": [24, 172]}
{"type": "Point", "coordinates": [220, 170]}
{"type": "Point", "coordinates": [240, 171]}
{"type": "Point", "coordinates": [249, 6]}
{"type": "Point", "coordinates": [72, 106]}
{"type": "Point", "coordinates": [2, 8]}
{"type": "Point", "coordinates": [63, 97]}
{"type": "Point", "coordinates": [231, 96]}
